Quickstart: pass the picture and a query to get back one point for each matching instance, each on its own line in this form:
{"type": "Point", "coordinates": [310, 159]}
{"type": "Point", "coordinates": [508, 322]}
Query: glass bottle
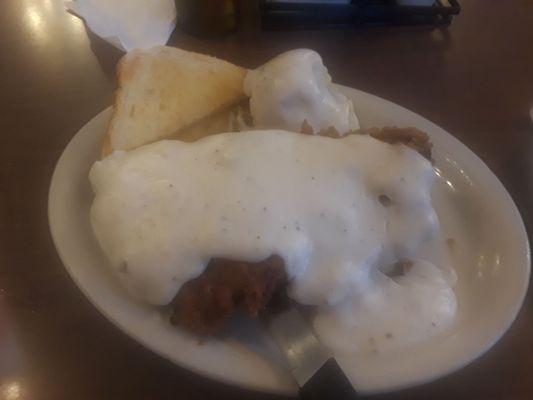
{"type": "Point", "coordinates": [208, 17]}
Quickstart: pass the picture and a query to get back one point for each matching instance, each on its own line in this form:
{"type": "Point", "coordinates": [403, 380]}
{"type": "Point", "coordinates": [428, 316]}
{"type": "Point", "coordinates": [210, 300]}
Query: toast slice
{"type": "Point", "coordinates": [164, 90]}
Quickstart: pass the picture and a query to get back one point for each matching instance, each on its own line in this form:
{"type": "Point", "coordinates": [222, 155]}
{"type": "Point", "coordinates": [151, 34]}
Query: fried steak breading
{"type": "Point", "coordinates": [203, 305]}
{"type": "Point", "coordinates": [411, 137]}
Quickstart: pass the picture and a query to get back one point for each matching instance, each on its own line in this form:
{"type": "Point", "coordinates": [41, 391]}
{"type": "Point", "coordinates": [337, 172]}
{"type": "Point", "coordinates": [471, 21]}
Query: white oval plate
{"type": "Point", "coordinates": [491, 258]}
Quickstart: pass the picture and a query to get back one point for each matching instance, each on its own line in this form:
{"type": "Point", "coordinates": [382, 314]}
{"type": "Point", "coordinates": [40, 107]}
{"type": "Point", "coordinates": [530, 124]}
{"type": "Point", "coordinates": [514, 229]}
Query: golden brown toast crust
{"type": "Point", "coordinates": [221, 98]}
{"type": "Point", "coordinates": [121, 75]}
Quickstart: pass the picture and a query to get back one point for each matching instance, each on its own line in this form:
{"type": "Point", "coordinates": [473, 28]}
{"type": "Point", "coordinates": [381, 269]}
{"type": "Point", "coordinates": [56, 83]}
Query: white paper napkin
{"type": "Point", "coordinates": [128, 24]}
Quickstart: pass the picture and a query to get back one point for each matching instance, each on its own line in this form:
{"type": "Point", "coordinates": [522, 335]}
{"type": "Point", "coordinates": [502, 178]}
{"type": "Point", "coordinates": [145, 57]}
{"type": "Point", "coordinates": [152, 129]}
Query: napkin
{"type": "Point", "coordinates": [128, 24]}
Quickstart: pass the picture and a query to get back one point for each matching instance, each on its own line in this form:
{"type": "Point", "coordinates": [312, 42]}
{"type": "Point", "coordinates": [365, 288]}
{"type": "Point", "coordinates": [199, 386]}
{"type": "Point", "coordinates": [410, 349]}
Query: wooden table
{"type": "Point", "coordinates": [475, 79]}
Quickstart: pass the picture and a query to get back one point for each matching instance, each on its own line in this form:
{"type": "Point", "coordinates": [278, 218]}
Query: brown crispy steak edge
{"type": "Point", "coordinates": [204, 304]}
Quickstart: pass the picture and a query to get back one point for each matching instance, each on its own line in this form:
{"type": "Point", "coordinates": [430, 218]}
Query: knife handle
{"type": "Point", "coordinates": [329, 382]}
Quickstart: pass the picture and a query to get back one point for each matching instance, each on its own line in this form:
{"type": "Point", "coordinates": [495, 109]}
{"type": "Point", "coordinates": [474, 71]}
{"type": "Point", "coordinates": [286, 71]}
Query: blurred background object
{"type": "Point", "coordinates": [313, 14]}
{"type": "Point", "coordinates": [208, 18]}
{"type": "Point", "coordinates": [128, 24]}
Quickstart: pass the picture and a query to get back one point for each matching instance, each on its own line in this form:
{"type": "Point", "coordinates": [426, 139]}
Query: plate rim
{"type": "Point", "coordinates": [240, 384]}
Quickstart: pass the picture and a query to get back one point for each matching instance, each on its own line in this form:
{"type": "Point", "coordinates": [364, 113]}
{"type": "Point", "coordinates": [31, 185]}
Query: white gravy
{"type": "Point", "coordinates": [163, 210]}
{"type": "Point", "coordinates": [293, 87]}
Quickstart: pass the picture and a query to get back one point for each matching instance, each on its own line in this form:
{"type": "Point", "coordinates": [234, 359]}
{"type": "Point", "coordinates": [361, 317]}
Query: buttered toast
{"type": "Point", "coordinates": [165, 90]}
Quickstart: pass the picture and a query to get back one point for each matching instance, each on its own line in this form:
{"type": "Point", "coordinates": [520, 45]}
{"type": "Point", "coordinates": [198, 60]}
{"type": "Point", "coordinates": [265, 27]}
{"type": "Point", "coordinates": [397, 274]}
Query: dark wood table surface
{"type": "Point", "coordinates": [475, 79]}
